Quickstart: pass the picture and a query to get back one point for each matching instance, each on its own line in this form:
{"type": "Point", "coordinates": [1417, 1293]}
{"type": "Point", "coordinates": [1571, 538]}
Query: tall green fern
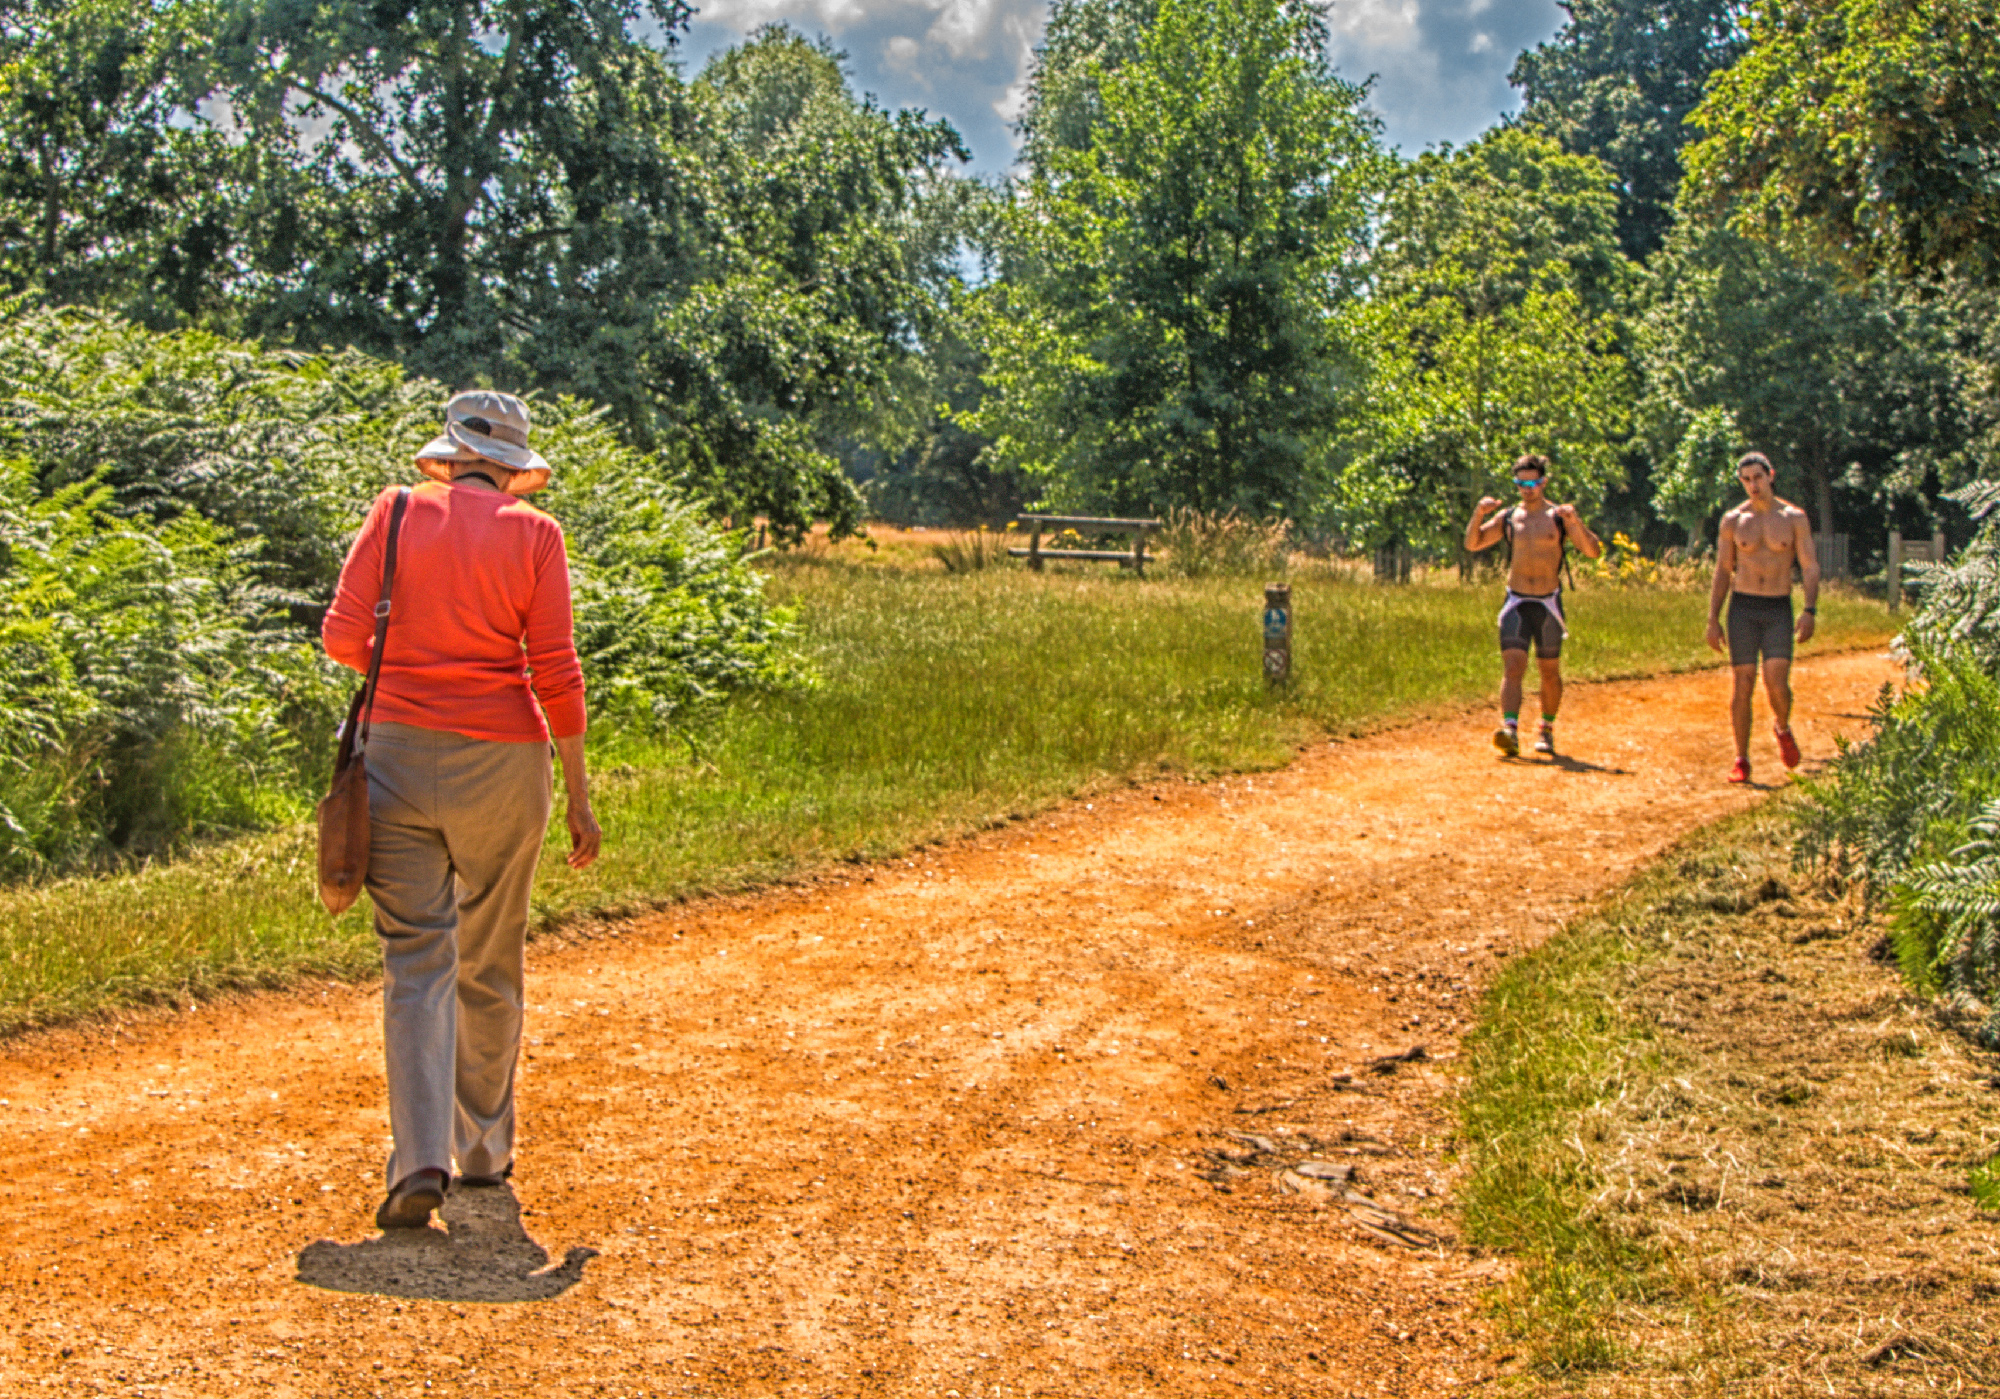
{"type": "Point", "coordinates": [174, 511]}
{"type": "Point", "coordinates": [1915, 810]}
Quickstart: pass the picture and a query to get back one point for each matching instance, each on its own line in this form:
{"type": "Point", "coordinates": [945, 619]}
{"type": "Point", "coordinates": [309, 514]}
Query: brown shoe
{"type": "Point", "coordinates": [410, 1204]}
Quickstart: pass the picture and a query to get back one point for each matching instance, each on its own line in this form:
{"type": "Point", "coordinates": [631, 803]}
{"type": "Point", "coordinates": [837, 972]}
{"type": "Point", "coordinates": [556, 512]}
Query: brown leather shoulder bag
{"type": "Point", "coordinates": [343, 811]}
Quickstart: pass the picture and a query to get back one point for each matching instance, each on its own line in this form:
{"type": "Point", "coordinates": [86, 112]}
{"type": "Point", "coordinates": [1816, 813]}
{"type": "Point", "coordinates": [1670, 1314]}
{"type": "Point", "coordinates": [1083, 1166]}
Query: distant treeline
{"type": "Point", "coordinates": [1206, 285]}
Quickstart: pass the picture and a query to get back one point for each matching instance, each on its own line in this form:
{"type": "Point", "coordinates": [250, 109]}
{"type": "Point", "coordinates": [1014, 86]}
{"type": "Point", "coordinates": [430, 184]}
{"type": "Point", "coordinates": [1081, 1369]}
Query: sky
{"type": "Point", "coordinates": [1440, 66]}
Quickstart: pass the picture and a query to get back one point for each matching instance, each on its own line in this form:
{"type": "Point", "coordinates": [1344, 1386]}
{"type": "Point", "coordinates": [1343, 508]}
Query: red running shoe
{"type": "Point", "coordinates": [1788, 747]}
{"type": "Point", "coordinates": [1741, 771]}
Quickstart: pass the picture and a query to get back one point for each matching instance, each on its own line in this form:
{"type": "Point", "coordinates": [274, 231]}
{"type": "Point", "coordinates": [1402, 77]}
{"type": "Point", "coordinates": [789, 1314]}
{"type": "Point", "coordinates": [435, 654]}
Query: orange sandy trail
{"type": "Point", "coordinates": [925, 1129]}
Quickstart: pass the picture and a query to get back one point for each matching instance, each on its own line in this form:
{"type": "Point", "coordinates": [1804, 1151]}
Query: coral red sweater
{"type": "Point", "coordinates": [479, 616]}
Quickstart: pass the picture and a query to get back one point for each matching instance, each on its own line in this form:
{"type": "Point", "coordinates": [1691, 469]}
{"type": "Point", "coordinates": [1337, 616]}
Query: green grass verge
{"type": "Point", "coordinates": [1552, 1051]}
{"type": "Point", "coordinates": [945, 702]}
{"type": "Point", "coordinates": [1985, 1184]}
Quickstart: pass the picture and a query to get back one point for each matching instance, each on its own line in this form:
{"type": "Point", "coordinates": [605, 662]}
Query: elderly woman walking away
{"type": "Point", "coordinates": [459, 785]}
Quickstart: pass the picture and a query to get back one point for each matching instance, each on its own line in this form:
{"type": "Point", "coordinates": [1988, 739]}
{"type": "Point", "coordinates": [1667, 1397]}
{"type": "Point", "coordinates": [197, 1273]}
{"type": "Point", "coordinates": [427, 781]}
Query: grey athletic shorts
{"type": "Point", "coordinates": [1759, 624]}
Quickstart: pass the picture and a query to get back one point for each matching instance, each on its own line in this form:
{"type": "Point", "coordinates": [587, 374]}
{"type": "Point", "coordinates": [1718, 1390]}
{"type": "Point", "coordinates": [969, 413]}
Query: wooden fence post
{"type": "Point", "coordinates": [1035, 548]}
{"type": "Point", "coordinates": [1278, 633]}
{"type": "Point", "coordinates": [1895, 570]}
{"type": "Point", "coordinates": [1139, 552]}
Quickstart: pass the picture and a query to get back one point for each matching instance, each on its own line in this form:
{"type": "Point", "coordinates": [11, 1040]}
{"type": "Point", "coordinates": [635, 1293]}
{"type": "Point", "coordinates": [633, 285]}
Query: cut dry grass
{"type": "Point", "coordinates": [1735, 1155]}
{"type": "Point", "coordinates": [947, 701]}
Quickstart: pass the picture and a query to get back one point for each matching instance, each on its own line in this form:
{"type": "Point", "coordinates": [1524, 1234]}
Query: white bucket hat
{"type": "Point", "coordinates": [482, 425]}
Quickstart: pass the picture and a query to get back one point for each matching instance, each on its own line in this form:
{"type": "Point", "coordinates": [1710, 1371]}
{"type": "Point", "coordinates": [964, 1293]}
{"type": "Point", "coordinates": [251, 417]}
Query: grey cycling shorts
{"type": "Point", "coordinates": [1759, 624]}
{"type": "Point", "coordinates": [1532, 620]}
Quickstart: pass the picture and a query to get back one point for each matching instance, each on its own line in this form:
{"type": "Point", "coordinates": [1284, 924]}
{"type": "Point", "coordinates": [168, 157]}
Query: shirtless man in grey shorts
{"type": "Point", "coordinates": [1759, 542]}
{"type": "Point", "coordinates": [1533, 612]}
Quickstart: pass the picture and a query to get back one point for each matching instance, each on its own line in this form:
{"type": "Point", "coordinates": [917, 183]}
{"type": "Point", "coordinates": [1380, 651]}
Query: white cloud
{"type": "Point", "coordinates": [1009, 105]}
{"type": "Point", "coordinates": [1374, 25]}
{"type": "Point", "coordinates": [1440, 66]}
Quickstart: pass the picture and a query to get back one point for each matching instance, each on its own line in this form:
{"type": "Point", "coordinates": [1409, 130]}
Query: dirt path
{"type": "Point", "coordinates": [939, 1127]}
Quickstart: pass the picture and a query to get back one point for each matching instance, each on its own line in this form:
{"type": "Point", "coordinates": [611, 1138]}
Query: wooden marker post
{"type": "Point", "coordinates": [1895, 576]}
{"type": "Point", "coordinates": [1278, 633]}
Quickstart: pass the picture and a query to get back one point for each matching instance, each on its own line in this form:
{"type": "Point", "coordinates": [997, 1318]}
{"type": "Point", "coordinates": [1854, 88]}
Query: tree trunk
{"type": "Point", "coordinates": [51, 205]}
{"type": "Point", "coordinates": [1822, 487]}
{"type": "Point", "coordinates": [463, 174]}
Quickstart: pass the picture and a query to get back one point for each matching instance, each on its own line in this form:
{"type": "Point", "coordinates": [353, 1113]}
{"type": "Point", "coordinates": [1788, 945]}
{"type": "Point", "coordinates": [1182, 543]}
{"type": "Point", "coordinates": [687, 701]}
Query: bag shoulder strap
{"type": "Point", "coordinates": [382, 607]}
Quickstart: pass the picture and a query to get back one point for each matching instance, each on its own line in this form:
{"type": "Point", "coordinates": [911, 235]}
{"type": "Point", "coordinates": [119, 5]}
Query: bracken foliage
{"type": "Point", "coordinates": [1915, 810]}
{"type": "Point", "coordinates": [174, 510]}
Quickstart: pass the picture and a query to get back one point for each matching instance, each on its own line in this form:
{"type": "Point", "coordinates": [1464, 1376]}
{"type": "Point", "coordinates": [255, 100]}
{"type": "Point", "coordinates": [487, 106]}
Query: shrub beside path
{"type": "Point", "coordinates": [1007, 1116]}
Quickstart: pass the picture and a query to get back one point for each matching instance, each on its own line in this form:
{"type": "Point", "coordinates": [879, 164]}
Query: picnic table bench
{"type": "Point", "coordinates": [1134, 559]}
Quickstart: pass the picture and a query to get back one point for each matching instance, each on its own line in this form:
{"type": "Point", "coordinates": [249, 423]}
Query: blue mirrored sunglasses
{"type": "Point", "coordinates": [1524, 482]}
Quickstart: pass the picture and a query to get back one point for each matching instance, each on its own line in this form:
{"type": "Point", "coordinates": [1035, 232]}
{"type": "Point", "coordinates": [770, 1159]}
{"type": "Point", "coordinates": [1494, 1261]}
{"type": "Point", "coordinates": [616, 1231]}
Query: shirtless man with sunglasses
{"type": "Point", "coordinates": [1538, 533]}
{"type": "Point", "coordinates": [1759, 542]}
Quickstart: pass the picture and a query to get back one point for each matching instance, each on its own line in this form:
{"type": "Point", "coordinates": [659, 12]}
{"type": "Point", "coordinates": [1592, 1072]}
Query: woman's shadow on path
{"type": "Point", "coordinates": [481, 1255]}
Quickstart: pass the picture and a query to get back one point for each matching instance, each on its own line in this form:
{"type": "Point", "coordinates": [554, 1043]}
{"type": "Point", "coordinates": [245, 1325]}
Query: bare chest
{"type": "Point", "coordinates": [1535, 534]}
{"type": "Point", "coordinates": [1764, 535]}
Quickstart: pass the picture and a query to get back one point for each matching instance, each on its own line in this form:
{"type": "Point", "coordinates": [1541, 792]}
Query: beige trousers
{"type": "Point", "coordinates": [457, 827]}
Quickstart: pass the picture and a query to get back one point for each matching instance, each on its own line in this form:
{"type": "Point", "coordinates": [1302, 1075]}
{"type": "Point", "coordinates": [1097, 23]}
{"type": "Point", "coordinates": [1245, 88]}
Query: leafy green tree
{"type": "Point", "coordinates": [1458, 386]}
{"type": "Point", "coordinates": [1493, 329]}
{"type": "Point", "coordinates": [1701, 473]}
{"type": "Point", "coordinates": [525, 193]}
{"type": "Point", "coordinates": [107, 197]}
{"type": "Point", "coordinates": [1514, 211]}
{"type": "Point", "coordinates": [840, 277]}
{"type": "Point", "coordinates": [1084, 42]}
{"type": "Point", "coordinates": [454, 142]}
{"type": "Point", "coordinates": [1161, 334]}
{"type": "Point", "coordinates": [947, 475]}
{"type": "Point", "coordinates": [1866, 132]}
{"type": "Point", "coordinates": [744, 269]}
{"type": "Point", "coordinates": [1965, 440]}
{"type": "Point", "coordinates": [1617, 82]}
{"type": "Point", "coordinates": [1852, 391]}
